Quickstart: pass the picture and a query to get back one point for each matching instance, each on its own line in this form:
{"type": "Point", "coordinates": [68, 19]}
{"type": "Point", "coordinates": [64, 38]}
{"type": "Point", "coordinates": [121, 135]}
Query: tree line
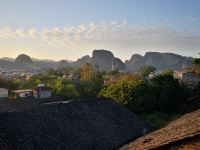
{"type": "Point", "coordinates": [162, 93]}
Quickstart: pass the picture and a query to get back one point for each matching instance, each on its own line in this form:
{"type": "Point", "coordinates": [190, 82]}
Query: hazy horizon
{"type": "Point", "coordinates": [85, 55]}
{"type": "Point", "coordinates": [67, 29]}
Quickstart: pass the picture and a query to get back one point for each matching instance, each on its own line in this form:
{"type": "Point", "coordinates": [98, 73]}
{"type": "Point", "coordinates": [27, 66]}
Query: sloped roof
{"type": "Point", "coordinates": [9, 105]}
{"type": "Point", "coordinates": [22, 91]}
{"type": "Point", "coordinates": [85, 124]}
{"type": "Point", "coordinates": [185, 127]}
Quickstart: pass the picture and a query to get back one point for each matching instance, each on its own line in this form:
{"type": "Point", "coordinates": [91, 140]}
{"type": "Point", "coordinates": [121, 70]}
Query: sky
{"type": "Point", "coordinates": [70, 29]}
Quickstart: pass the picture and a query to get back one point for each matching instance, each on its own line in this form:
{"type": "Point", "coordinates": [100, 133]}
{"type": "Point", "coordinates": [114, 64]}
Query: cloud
{"type": "Point", "coordinates": [109, 34]}
{"type": "Point", "coordinates": [191, 19]}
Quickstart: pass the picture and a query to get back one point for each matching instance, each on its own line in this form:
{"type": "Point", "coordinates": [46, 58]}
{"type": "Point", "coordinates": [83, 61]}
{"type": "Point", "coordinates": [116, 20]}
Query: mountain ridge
{"type": "Point", "coordinates": [105, 60]}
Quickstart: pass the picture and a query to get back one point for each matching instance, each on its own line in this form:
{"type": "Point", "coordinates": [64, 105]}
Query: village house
{"type": "Point", "coordinates": [28, 75]}
{"type": "Point", "coordinates": [22, 93]}
{"type": "Point", "coordinates": [16, 75]}
{"type": "Point", "coordinates": [187, 77]}
{"type": "Point", "coordinates": [42, 91]}
{"type": "Point", "coordinates": [2, 73]}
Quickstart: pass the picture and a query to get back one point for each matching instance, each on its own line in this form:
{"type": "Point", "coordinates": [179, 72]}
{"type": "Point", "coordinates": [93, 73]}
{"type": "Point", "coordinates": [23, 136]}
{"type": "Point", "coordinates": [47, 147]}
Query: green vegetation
{"type": "Point", "coordinates": [88, 82]}
{"type": "Point", "coordinates": [196, 61]}
{"type": "Point", "coordinates": [146, 70]}
{"type": "Point", "coordinates": [132, 94]}
{"type": "Point", "coordinates": [196, 66]}
{"type": "Point", "coordinates": [161, 94]}
{"type": "Point", "coordinates": [158, 100]}
{"type": "Point", "coordinates": [9, 84]}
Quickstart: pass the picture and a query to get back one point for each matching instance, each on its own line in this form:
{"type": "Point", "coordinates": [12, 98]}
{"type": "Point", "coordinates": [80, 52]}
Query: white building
{"type": "Point", "coordinates": [42, 92]}
{"type": "Point", "coordinates": [23, 93]}
{"type": "Point", "coordinates": [3, 93]}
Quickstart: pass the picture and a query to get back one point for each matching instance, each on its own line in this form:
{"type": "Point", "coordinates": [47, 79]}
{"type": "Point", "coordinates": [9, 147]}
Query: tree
{"type": "Point", "coordinates": [86, 74]}
{"type": "Point", "coordinates": [113, 72]}
{"type": "Point", "coordinates": [196, 61]}
{"type": "Point", "coordinates": [49, 72]}
{"type": "Point", "coordinates": [134, 94]}
{"type": "Point", "coordinates": [162, 94]}
{"type": "Point", "coordinates": [91, 81]}
{"type": "Point", "coordinates": [196, 66]}
{"type": "Point", "coordinates": [9, 84]}
{"type": "Point", "coordinates": [91, 74]}
{"type": "Point", "coordinates": [65, 89]}
{"type": "Point", "coordinates": [146, 70]}
{"type": "Point", "coordinates": [170, 93]}
{"type": "Point", "coordinates": [168, 72]}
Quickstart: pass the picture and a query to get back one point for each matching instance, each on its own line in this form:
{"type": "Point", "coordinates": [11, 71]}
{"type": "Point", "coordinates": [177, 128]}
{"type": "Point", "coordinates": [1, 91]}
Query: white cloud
{"type": "Point", "coordinates": [33, 33]}
{"type": "Point", "coordinates": [109, 34]}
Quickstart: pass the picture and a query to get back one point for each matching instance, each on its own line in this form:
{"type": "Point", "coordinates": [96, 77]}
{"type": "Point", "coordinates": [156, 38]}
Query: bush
{"type": "Point", "coordinates": [134, 94]}
{"type": "Point", "coordinates": [162, 94]}
{"type": "Point", "coordinates": [170, 93]}
{"type": "Point", "coordinates": [9, 84]}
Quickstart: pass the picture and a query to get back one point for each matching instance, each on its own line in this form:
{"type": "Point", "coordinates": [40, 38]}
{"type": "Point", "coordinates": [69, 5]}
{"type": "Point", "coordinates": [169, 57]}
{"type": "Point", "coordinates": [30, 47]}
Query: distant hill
{"type": "Point", "coordinates": [161, 61]}
{"type": "Point", "coordinates": [6, 65]}
{"type": "Point", "coordinates": [7, 59]}
{"type": "Point", "coordinates": [104, 59]}
{"type": "Point", "coordinates": [117, 64]}
{"type": "Point", "coordinates": [43, 60]}
{"type": "Point", "coordinates": [24, 62]}
{"type": "Point", "coordinates": [63, 64]}
{"type": "Point", "coordinates": [81, 61]}
{"type": "Point", "coordinates": [23, 59]}
{"type": "Point", "coordinates": [46, 64]}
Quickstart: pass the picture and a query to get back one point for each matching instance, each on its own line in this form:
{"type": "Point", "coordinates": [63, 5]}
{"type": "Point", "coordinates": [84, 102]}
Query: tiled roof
{"type": "Point", "coordinates": [185, 127]}
{"type": "Point", "coordinates": [25, 104]}
{"type": "Point", "coordinates": [88, 124]}
{"type": "Point", "coordinates": [9, 105]}
{"type": "Point", "coordinates": [22, 91]}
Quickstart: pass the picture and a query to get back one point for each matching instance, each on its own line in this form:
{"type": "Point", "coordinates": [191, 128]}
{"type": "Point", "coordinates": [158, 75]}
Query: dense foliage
{"type": "Point", "coordinates": [9, 84]}
{"type": "Point", "coordinates": [161, 94]}
{"type": "Point", "coordinates": [146, 70]}
{"type": "Point", "coordinates": [157, 100]}
{"type": "Point", "coordinates": [88, 83]}
{"type": "Point", "coordinates": [196, 66]}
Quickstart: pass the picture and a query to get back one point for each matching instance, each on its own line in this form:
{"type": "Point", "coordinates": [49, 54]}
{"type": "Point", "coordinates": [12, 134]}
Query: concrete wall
{"type": "Point", "coordinates": [42, 94]}
{"type": "Point", "coordinates": [45, 94]}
